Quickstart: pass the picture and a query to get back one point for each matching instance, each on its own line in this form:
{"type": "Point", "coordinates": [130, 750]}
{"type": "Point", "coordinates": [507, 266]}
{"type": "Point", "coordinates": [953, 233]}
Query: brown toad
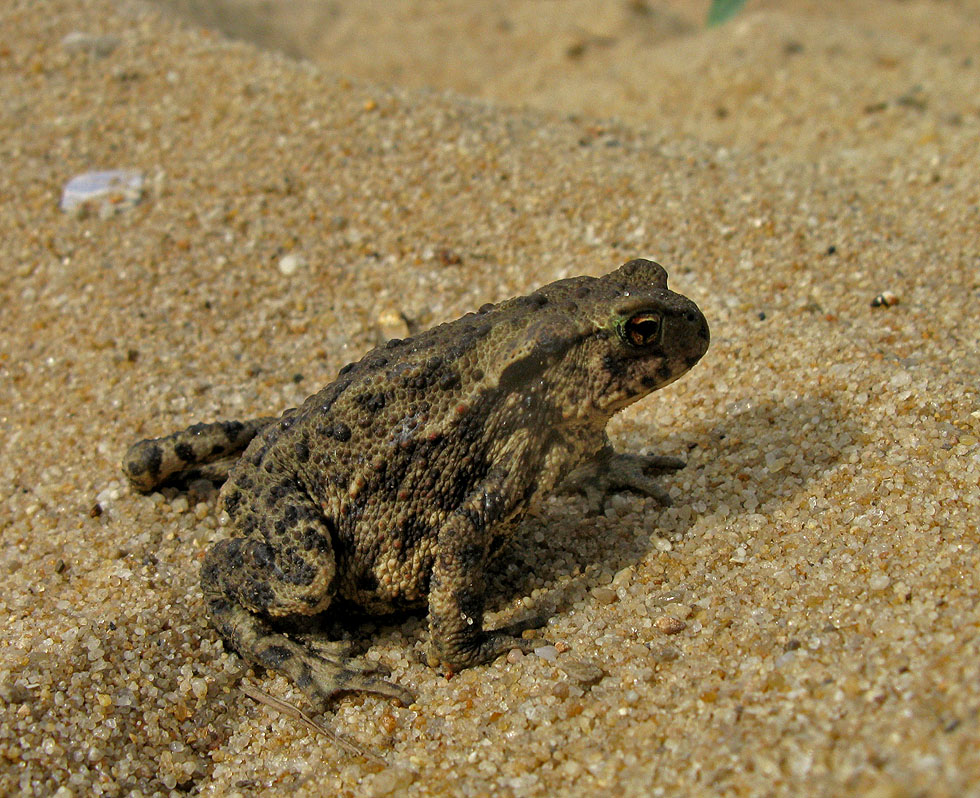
{"type": "Point", "coordinates": [394, 485]}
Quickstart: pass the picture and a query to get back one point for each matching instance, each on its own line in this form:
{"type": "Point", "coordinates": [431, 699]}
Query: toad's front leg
{"type": "Point", "coordinates": [457, 588]}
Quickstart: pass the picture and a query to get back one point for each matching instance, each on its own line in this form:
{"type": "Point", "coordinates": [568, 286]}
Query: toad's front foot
{"type": "Point", "coordinates": [609, 472]}
{"type": "Point", "coordinates": [453, 656]}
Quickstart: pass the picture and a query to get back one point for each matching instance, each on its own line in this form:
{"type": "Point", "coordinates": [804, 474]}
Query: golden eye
{"type": "Point", "coordinates": [643, 329]}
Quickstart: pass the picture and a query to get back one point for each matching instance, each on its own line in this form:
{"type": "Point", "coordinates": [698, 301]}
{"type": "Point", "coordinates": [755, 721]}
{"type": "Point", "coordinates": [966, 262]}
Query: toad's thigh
{"type": "Point", "coordinates": [284, 565]}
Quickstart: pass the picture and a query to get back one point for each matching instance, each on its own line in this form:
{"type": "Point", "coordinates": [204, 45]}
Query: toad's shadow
{"type": "Point", "coordinates": [559, 543]}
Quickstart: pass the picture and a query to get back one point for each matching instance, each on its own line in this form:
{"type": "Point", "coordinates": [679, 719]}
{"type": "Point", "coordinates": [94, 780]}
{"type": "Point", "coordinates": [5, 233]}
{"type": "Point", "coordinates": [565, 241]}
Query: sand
{"type": "Point", "coordinates": [805, 619]}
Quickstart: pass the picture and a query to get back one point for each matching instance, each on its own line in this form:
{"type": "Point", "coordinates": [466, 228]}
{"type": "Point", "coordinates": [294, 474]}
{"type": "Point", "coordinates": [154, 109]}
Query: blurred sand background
{"type": "Point", "coordinates": [804, 620]}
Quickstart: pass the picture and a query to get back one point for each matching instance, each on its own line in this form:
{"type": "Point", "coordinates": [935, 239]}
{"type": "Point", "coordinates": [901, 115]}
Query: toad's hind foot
{"type": "Point", "coordinates": [203, 451]}
{"type": "Point", "coordinates": [319, 677]}
{"type": "Point", "coordinates": [322, 680]}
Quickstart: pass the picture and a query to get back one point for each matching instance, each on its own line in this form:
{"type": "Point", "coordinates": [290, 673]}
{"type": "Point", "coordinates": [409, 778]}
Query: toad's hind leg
{"type": "Point", "coordinates": [249, 582]}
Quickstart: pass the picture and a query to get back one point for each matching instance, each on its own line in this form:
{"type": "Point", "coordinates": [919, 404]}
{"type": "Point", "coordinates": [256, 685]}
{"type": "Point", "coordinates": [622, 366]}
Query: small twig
{"type": "Point", "coordinates": [297, 714]}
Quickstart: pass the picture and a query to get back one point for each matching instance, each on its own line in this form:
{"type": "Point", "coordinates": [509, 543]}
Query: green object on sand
{"type": "Point", "coordinates": [723, 10]}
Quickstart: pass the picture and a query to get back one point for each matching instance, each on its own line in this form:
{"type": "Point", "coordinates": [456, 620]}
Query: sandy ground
{"type": "Point", "coordinates": [804, 620]}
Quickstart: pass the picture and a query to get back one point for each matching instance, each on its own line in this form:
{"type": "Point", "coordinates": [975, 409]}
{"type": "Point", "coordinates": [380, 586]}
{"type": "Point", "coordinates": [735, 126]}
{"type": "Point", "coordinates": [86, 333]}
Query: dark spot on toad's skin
{"type": "Point", "coordinates": [373, 402]}
{"type": "Point", "coordinates": [519, 371]}
{"type": "Point", "coordinates": [283, 489]}
{"type": "Point", "coordinates": [312, 540]}
{"type": "Point", "coordinates": [230, 554]}
{"type": "Point", "coordinates": [412, 532]}
{"type": "Point", "coordinates": [261, 554]}
{"type": "Point", "coordinates": [232, 500]}
{"type": "Point", "coordinates": [459, 430]}
{"type": "Point", "coordinates": [494, 505]}
{"type": "Point", "coordinates": [614, 367]}
{"type": "Point", "coordinates": [274, 656]}
{"type": "Point", "coordinates": [536, 300]}
{"type": "Point", "coordinates": [299, 572]}
{"type": "Point", "coordinates": [448, 381]}
{"type": "Point", "coordinates": [304, 679]}
{"type": "Point", "coordinates": [151, 461]}
{"type": "Point", "coordinates": [232, 429]}
{"type": "Point", "coordinates": [258, 594]}
{"type": "Point", "coordinates": [471, 556]}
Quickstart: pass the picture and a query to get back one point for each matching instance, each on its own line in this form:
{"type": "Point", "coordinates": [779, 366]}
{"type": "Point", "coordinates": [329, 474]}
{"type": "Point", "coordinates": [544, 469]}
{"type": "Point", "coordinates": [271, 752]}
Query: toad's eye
{"type": "Point", "coordinates": [643, 329]}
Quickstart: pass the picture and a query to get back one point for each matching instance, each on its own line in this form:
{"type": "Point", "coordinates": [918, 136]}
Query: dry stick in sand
{"type": "Point", "coordinates": [297, 714]}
